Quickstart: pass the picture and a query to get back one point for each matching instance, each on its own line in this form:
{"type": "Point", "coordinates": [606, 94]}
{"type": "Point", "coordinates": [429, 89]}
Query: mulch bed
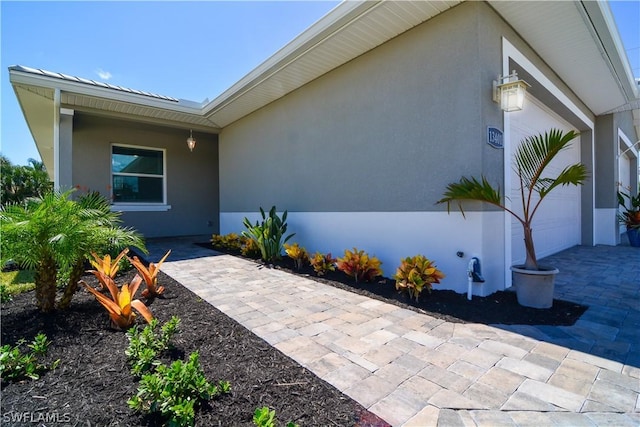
{"type": "Point", "coordinates": [499, 308]}
{"type": "Point", "coordinates": [91, 385]}
{"type": "Point", "coordinates": [93, 382]}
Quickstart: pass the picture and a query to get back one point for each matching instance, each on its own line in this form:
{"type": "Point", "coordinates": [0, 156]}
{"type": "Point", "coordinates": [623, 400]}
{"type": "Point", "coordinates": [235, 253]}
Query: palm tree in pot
{"type": "Point", "coordinates": [630, 216]}
{"type": "Point", "coordinates": [531, 159]}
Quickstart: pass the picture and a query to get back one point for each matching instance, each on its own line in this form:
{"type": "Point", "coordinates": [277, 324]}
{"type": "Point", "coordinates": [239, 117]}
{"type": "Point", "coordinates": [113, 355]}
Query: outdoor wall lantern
{"type": "Point", "coordinates": [509, 92]}
{"type": "Point", "coordinates": [191, 142]}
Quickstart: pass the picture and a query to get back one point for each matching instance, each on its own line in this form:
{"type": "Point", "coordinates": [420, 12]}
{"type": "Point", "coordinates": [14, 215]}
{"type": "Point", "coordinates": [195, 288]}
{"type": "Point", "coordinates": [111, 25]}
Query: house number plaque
{"type": "Point", "coordinates": [494, 137]}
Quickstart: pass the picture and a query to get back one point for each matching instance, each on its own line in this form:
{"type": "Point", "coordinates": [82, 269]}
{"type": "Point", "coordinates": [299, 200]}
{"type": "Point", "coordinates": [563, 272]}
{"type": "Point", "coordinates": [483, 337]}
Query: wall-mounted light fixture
{"type": "Point", "coordinates": [509, 92]}
{"type": "Point", "coordinates": [191, 142]}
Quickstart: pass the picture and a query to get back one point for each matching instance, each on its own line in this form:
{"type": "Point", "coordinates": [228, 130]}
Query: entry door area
{"type": "Point", "coordinates": [557, 223]}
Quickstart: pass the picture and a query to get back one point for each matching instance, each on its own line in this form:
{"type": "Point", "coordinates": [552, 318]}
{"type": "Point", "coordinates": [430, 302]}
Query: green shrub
{"type": "Point", "coordinates": [229, 242]}
{"type": "Point", "coordinates": [145, 346]}
{"type": "Point", "coordinates": [268, 234]}
{"type": "Point", "coordinates": [5, 295]}
{"type": "Point", "coordinates": [415, 274]}
{"type": "Point", "coordinates": [18, 183]}
{"type": "Point", "coordinates": [359, 265]}
{"type": "Point", "coordinates": [322, 263]}
{"type": "Point", "coordinates": [175, 391]}
{"type": "Point", "coordinates": [54, 235]}
{"type": "Point", "coordinates": [249, 248]}
{"type": "Point", "coordinates": [16, 365]}
{"type": "Point", "coordinates": [265, 417]}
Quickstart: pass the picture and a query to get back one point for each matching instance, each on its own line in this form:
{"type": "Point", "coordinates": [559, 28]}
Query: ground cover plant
{"type": "Point", "coordinates": [94, 381]}
{"type": "Point", "coordinates": [18, 363]}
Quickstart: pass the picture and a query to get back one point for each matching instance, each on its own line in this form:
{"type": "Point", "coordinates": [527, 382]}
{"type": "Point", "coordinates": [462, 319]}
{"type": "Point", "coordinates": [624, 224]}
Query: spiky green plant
{"type": "Point", "coordinates": [268, 234]}
{"type": "Point", "coordinates": [531, 159]}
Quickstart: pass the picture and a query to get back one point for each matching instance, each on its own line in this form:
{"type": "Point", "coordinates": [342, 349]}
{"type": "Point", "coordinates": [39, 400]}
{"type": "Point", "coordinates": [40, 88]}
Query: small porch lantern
{"type": "Point", "coordinates": [191, 142]}
{"type": "Point", "coordinates": [509, 91]}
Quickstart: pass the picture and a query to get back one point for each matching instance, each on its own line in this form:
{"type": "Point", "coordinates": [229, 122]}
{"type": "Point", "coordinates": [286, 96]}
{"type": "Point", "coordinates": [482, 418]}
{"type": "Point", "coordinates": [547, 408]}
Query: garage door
{"type": "Point", "coordinates": [557, 224]}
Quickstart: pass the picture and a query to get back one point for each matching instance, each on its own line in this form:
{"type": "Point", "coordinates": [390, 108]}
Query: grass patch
{"type": "Point", "coordinates": [17, 282]}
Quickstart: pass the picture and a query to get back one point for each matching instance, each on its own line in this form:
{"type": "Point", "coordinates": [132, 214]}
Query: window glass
{"type": "Point", "coordinates": [137, 175]}
{"type": "Point", "coordinates": [135, 160]}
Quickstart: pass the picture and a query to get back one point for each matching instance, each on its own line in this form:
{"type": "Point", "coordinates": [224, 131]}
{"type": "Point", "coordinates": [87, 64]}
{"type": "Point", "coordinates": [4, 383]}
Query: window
{"type": "Point", "coordinates": [138, 175]}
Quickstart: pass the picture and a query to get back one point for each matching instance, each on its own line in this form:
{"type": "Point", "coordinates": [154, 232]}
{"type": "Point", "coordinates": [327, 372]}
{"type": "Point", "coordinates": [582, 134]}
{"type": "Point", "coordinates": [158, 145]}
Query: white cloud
{"type": "Point", "coordinates": [104, 75]}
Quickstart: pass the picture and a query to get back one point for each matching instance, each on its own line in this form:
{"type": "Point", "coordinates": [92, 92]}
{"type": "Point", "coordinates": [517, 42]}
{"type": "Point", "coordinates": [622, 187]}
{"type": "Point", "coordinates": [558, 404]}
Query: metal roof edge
{"type": "Point", "coordinates": [31, 76]}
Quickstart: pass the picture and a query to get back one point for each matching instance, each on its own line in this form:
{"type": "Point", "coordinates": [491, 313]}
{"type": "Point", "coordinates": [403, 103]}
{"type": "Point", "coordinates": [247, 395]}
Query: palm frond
{"type": "Point", "coordinates": [571, 175]}
{"type": "Point", "coordinates": [471, 189]}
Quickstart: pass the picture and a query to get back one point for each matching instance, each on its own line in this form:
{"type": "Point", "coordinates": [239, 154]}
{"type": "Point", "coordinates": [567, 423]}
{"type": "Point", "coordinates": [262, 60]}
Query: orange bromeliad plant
{"type": "Point", "coordinates": [106, 265]}
{"type": "Point", "coordinates": [150, 275]}
{"type": "Point", "coordinates": [121, 304]}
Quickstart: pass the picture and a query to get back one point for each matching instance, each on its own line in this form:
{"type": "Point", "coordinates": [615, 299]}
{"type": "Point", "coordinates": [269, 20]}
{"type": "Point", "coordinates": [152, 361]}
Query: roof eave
{"type": "Point", "coordinates": [604, 24]}
{"type": "Point", "coordinates": [18, 76]}
{"type": "Point", "coordinates": [334, 20]}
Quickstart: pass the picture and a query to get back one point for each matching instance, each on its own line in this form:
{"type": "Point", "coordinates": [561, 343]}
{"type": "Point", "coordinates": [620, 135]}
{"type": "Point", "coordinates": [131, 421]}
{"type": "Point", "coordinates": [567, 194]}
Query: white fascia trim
{"type": "Point", "coordinates": [21, 77]}
{"type": "Point", "coordinates": [286, 55]}
{"type": "Point", "coordinates": [611, 29]}
{"type": "Point", "coordinates": [139, 208]}
{"type": "Point", "coordinates": [509, 51]}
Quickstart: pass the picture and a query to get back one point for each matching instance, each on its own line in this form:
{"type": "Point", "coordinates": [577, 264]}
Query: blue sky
{"type": "Point", "coordinates": [189, 50]}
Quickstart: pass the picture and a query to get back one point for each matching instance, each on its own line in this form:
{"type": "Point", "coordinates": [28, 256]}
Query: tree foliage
{"type": "Point", "coordinates": [21, 182]}
{"type": "Point", "coordinates": [53, 234]}
{"type": "Point", "coordinates": [531, 159]}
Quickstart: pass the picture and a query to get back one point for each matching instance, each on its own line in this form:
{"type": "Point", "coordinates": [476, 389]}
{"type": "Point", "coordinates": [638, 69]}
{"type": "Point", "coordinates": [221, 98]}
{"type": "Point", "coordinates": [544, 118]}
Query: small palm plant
{"type": "Point", "coordinates": [532, 157]}
{"type": "Point", "coordinates": [54, 234]}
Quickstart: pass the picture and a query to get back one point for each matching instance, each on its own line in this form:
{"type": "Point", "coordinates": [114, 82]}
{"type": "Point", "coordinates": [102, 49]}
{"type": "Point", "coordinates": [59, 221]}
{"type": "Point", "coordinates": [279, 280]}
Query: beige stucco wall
{"type": "Point", "coordinates": [192, 178]}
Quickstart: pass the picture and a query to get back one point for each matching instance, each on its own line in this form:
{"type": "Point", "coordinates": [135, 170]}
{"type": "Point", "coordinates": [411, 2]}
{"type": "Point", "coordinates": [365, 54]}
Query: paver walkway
{"type": "Point", "coordinates": [414, 370]}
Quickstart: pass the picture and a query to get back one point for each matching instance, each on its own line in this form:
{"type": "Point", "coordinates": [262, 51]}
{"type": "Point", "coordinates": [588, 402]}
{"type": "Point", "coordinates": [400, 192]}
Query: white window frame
{"type": "Point", "coordinates": [144, 206]}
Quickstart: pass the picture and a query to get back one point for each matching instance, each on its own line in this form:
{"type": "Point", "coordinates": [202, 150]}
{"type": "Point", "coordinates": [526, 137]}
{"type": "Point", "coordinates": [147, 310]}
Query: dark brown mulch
{"type": "Point", "coordinates": [91, 385]}
{"type": "Point", "coordinates": [93, 382]}
{"type": "Point", "coordinates": [499, 308]}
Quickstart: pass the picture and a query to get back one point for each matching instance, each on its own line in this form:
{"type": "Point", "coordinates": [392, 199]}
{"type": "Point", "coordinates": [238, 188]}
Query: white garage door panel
{"type": "Point", "coordinates": [557, 223]}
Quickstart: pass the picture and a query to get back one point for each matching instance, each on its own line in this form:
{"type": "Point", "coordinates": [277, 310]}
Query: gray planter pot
{"type": "Point", "coordinates": [534, 288]}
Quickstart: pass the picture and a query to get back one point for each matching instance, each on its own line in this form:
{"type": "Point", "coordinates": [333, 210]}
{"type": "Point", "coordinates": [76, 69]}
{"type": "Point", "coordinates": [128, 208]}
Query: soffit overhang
{"type": "Point", "coordinates": [349, 30]}
{"type": "Point", "coordinates": [36, 89]}
{"type": "Point", "coordinates": [577, 40]}
{"type": "Point", "coordinates": [79, 94]}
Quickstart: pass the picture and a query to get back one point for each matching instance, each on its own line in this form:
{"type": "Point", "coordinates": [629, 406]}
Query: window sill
{"type": "Point", "coordinates": [139, 207]}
